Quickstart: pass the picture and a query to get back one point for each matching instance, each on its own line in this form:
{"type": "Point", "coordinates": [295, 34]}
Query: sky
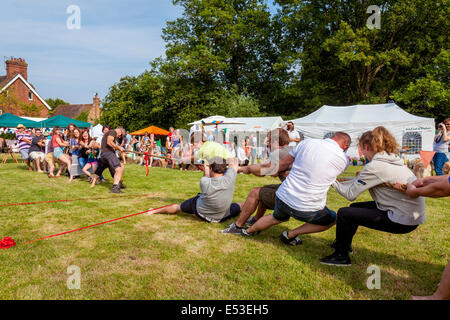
{"type": "Point", "coordinates": [116, 38]}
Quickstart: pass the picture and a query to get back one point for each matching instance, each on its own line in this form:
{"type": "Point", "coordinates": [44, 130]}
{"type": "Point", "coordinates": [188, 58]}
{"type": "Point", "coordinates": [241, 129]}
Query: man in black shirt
{"type": "Point", "coordinates": [109, 157]}
{"type": "Point", "coordinates": [37, 149]}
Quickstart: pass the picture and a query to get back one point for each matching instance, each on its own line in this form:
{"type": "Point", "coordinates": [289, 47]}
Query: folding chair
{"type": "Point", "coordinates": [9, 150]}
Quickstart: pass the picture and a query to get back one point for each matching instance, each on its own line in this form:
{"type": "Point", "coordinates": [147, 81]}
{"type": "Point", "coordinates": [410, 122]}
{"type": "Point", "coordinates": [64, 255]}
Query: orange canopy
{"type": "Point", "coordinates": [152, 129]}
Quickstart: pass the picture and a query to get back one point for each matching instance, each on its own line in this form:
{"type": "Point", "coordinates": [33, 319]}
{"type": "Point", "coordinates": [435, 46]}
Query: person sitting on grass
{"type": "Point", "coordinates": [390, 211]}
{"type": "Point", "coordinates": [214, 203]}
{"type": "Point", "coordinates": [263, 198]}
{"type": "Point", "coordinates": [316, 164]}
{"type": "Point", "coordinates": [434, 187]}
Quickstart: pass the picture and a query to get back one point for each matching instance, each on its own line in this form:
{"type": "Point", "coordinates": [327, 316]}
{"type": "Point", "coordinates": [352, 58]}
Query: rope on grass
{"type": "Point", "coordinates": [8, 242]}
{"type": "Point", "coordinates": [67, 200]}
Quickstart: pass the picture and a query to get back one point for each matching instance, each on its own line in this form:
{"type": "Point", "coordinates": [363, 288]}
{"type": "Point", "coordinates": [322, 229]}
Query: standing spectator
{"type": "Point", "coordinates": [37, 150]}
{"type": "Point", "coordinates": [177, 140]}
{"type": "Point", "coordinates": [294, 136]}
{"type": "Point", "coordinates": [211, 136]}
{"type": "Point", "coordinates": [252, 144]}
{"type": "Point", "coordinates": [242, 155]}
{"type": "Point", "coordinates": [440, 146]}
{"type": "Point", "coordinates": [247, 147]}
{"type": "Point", "coordinates": [24, 140]}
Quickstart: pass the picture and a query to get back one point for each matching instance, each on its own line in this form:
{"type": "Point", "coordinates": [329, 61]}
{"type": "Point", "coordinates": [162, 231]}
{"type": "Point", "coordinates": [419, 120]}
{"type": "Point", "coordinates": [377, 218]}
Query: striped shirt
{"type": "Point", "coordinates": [22, 143]}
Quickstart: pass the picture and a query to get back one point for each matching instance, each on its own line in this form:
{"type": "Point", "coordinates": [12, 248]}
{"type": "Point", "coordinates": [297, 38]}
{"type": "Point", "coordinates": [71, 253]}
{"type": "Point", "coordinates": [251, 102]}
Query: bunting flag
{"type": "Point", "coordinates": [426, 157]}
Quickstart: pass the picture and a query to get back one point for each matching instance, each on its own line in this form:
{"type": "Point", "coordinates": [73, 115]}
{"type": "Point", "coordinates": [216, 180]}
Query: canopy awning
{"type": "Point", "coordinates": [151, 130]}
{"type": "Point", "coordinates": [9, 120]}
{"type": "Point", "coordinates": [63, 122]}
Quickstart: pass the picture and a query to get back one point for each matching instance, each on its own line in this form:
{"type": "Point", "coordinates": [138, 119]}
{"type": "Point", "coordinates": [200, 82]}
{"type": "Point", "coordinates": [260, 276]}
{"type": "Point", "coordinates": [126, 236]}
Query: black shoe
{"type": "Point", "coordinates": [333, 245]}
{"type": "Point", "coordinates": [337, 259]}
{"type": "Point", "coordinates": [292, 241]}
{"type": "Point", "coordinates": [121, 185]}
{"type": "Point", "coordinates": [116, 189]}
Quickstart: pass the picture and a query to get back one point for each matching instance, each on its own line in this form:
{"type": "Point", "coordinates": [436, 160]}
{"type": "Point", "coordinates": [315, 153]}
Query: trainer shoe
{"type": "Point", "coordinates": [333, 245]}
{"type": "Point", "coordinates": [250, 221]}
{"type": "Point", "coordinates": [121, 185]}
{"type": "Point", "coordinates": [337, 259]}
{"type": "Point", "coordinates": [246, 234]}
{"type": "Point", "coordinates": [292, 241]}
{"type": "Point", "coordinates": [116, 189]}
{"type": "Point", "coordinates": [233, 229]}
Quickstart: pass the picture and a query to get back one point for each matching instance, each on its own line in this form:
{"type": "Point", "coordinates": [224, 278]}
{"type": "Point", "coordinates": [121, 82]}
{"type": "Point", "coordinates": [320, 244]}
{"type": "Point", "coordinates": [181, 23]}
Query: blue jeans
{"type": "Point", "coordinates": [439, 160]}
{"type": "Point", "coordinates": [82, 162]}
{"type": "Point", "coordinates": [282, 212]}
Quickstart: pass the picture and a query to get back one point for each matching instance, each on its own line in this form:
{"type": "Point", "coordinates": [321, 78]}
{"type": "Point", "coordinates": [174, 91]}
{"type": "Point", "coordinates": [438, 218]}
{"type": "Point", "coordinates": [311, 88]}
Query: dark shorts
{"type": "Point", "coordinates": [267, 196]}
{"type": "Point", "coordinates": [283, 212]}
{"type": "Point", "coordinates": [190, 206]}
{"type": "Point", "coordinates": [111, 159]}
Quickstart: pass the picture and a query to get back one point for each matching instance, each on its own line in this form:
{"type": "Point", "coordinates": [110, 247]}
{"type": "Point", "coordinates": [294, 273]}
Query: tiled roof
{"type": "Point", "coordinates": [71, 110]}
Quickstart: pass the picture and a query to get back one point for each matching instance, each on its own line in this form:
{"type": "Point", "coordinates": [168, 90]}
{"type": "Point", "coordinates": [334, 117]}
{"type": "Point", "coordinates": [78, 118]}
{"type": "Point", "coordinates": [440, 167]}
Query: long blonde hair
{"type": "Point", "coordinates": [379, 140]}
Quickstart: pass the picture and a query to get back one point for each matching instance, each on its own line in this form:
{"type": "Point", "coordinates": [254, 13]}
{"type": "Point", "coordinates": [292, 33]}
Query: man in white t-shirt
{"type": "Point", "coordinates": [315, 166]}
{"type": "Point", "coordinates": [294, 136]}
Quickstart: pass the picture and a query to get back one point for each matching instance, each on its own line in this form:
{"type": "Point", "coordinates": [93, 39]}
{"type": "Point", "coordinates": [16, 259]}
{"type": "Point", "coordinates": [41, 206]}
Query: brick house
{"type": "Point", "coordinates": [17, 95]}
{"type": "Point", "coordinates": [91, 111]}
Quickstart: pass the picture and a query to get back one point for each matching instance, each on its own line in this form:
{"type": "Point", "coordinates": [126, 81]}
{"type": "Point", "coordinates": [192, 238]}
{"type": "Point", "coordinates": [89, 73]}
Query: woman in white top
{"type": "Point", "coordinates": [242, 155]}
{"type": "Point", "coordinates": [440, 146]}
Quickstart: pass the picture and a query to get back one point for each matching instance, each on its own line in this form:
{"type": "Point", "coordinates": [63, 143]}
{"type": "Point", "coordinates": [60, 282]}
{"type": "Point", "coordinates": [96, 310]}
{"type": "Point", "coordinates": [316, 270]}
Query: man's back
{"type": "Point", "coordinates": [217, 194]}
{"type": "Point", "coordinates": [316, 166]}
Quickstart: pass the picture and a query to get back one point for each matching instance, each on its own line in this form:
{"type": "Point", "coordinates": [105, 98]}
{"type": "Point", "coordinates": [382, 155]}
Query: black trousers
{"type": "Point", "coordinates": [364, 214]}
{"type": "Point", "coordinates": [102, 165]}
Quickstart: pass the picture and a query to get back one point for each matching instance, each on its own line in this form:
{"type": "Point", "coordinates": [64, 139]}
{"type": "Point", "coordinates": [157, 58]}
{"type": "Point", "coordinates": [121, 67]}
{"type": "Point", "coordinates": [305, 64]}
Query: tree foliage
{"type": "Point", "coordinates": [237, 58]}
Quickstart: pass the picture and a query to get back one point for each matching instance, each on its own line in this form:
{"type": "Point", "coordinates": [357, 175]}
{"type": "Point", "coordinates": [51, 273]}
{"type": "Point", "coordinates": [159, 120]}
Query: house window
{"type": "Point", "coordinates": [30, 95]}
{"type": "Point", "coordinates": [412, 142]}
{"type": "Point", "coordinates": [329, 135]}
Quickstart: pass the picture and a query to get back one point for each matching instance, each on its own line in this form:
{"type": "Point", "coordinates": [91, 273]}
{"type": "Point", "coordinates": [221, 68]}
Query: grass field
{"type": "Point", "coordinates": [178, 257]}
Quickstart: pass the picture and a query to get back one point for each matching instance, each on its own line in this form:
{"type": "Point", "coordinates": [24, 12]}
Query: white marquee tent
{"type": "Point", "coordinates": [243, 127]}
{"type": "Point", "coordinates": [413, 133]}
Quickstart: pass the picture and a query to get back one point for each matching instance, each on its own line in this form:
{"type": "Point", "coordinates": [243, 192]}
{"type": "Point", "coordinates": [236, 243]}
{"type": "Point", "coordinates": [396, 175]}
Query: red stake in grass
{"type": "Point", "coordinates": [6, 243]}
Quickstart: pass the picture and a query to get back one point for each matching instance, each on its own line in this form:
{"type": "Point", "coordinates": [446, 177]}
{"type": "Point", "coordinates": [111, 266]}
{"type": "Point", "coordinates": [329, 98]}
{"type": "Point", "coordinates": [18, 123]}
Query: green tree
{"type": "Point", "coordinates": [53, 103]}
{"type": "Point", "coordinates": [335, 59]}
{"type": "Point", "coordinates": [429, 95]}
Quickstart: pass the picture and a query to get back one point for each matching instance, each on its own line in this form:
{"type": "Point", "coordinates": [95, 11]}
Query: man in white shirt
{"type": "Point", "coordinates": [315, 166]}
{"type": "Point", "coordinates": [294, 136]}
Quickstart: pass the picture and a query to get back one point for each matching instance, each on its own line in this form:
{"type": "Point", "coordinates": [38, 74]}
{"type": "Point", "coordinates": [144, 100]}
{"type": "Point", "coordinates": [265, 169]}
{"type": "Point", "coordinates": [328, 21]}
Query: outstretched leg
{"type": "Point", "coordinates": [171, 209]}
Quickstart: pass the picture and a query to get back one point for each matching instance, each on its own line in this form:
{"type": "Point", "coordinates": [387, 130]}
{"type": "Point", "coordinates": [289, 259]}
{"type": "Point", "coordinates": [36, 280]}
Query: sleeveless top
{"type": "Point", "coordinates": [439, 145]}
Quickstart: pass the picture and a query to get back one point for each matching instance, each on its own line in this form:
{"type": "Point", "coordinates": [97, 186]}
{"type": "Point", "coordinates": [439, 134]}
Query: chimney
{"type": "Point", "coordinates": [96, 101]}
{"type": "Point", "coordinates": [15, 66]}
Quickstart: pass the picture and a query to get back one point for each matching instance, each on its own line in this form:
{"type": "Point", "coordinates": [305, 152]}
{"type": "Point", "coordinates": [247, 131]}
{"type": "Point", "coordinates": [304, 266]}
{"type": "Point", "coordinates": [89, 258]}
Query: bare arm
{"type": "Point", "coordinates": [285, 163]}
{"type": "Point", "coordinates": [110, 142]}
{"type": "Point", "coordinates": [434, 187]}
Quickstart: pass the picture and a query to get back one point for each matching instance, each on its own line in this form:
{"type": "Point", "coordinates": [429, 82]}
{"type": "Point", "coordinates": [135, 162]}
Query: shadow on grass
{"type": "Point", "coordinates": [313, 248]}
